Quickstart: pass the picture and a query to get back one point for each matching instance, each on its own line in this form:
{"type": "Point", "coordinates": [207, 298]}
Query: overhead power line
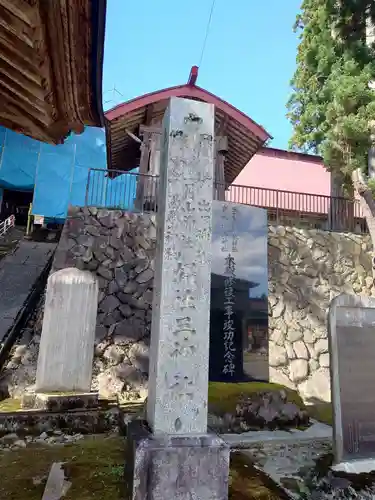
{"type": "Point", "coordinates": [207, 32]}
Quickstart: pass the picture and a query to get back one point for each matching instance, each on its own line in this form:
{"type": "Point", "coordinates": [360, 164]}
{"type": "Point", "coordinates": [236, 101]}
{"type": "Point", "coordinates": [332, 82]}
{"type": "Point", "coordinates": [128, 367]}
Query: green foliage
{"type": "Point", "coordinates": [332, 106]}
{"type": "Point", "coordinates": [371, 185]}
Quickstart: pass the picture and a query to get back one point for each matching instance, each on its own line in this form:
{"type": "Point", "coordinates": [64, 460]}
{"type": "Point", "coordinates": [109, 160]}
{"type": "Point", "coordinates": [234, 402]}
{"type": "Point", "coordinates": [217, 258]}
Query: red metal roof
{"type": "Point", "coordinates": [245, 137]}
{"type": "Point", "coordinates": [285, 154]}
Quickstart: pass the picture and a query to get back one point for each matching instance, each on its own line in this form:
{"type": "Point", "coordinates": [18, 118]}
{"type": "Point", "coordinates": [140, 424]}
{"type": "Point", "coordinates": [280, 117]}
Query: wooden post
{"type": "Point", "coordinates": [143, 169]}
{"type": "Point", "coordinates": [221, 147]}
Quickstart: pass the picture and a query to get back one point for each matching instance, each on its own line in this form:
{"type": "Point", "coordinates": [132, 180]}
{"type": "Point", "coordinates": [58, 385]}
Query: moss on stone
{"type": "Point", "coordinates": [133, 407]}
{"type": "Point", "coordinates": [224, 396]}
{"type": "Point", "coordinates": [323, 412]}
{"type": "Point", "coordinates": [62, 394]}
{"type": "Point", "coordinates": [10, 405]}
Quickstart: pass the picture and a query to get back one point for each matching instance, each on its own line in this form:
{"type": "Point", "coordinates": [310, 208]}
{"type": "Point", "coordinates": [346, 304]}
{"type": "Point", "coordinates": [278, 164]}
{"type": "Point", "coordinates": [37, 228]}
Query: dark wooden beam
{"type": "Point", "coordinates": [148, 115]}
{"type": "Point", "coordinates": [51, 63]}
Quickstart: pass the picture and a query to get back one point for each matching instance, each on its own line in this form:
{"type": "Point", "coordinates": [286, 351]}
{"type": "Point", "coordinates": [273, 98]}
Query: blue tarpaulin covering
{"type": "Point", "coordinates": [18, 162]}
{"type": "Point", "coordinates": [58, 174]}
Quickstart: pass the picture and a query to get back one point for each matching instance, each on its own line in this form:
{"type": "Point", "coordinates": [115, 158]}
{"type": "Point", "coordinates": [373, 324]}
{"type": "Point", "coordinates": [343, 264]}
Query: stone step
{"type": "Point", "coordinates": [34, 422]}
{"type": "Point", "coordinates": [19, 271]}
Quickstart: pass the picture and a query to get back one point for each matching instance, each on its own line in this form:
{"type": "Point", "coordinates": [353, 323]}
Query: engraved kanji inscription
{"type": "Point", "coordinates": [185, 274]}
{"type": "Point", "coordinates": [185, 299]}
{"type": "Point", "coordinates": [228, 327]}
{"type": "Point", "coordinates": [182, 385]}
{"type": "Point", "coordinates": [204, 206]}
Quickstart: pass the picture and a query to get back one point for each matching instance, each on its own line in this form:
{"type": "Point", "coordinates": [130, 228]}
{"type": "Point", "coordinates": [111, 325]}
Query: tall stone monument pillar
{"type": "Point", "coordinates": [175, 457]}
{"type": "Point", "coordinates": [178, 378]}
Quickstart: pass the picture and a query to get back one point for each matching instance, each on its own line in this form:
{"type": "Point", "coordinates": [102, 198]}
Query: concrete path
{"type": "Point", "coordinates": [256, 365]}
{"type": "Point", "coordinates": [282, 454]}
{"type": "Point", "coordinates": [18, 273]}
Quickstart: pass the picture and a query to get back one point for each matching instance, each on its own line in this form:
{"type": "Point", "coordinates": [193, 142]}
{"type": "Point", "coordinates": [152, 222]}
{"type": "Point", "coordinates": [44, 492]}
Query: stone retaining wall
{"type": "Point", "coordinates": [307, 269]}
{"type": "Point", "coordinates": [119, 248]}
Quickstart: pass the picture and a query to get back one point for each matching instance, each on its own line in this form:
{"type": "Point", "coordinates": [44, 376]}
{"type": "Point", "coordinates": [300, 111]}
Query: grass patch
{"type": "Point", "coordinates": [95, 468]}
{"type": "Point", "coordinates": [224, 396]}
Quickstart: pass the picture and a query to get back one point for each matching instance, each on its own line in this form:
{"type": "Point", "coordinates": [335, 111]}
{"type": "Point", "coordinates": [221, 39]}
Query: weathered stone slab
{"type": "Point", "coordinates": [352, 355]}
{"type": "Point", "coordinates": [57, 486]}
{"type": "Point", "coordinates": [178, 381]}
{"type": "Point", "coordinates": [355, 466]}
{"type": "Point", "coordinates": [67, 343]}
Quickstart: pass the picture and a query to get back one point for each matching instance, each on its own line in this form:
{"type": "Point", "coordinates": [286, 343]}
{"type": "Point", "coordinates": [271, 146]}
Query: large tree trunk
{"type": "Point", "coordinates": [341, 210]}
{"type": "Point", "coordinates": [368, 208]}
{"type": "Point", "coordinates": [360, 185]}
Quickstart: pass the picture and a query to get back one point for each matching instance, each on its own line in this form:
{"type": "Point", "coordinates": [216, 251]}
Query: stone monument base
{"type": "Point", "coordinates": [166, 467]}
{"type": "Point", "coordinates": [60, 401]}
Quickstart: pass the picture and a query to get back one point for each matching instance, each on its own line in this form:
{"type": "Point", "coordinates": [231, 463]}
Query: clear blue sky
{"type": "Point", "coordinates": [249, 58]}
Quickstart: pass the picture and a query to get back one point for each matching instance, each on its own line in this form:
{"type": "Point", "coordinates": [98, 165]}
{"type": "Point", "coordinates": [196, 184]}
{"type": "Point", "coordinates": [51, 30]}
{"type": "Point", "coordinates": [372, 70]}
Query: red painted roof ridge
{"type": "Point", "coordinates": [188, 91]}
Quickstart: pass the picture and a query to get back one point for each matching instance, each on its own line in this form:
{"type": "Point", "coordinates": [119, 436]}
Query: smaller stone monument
{"type": "Point", "coordinates": [239, 288]}
{"type": "Point", "coordinates": [67, 343]}
{"type": "Point", "coordinates": [352, 354]}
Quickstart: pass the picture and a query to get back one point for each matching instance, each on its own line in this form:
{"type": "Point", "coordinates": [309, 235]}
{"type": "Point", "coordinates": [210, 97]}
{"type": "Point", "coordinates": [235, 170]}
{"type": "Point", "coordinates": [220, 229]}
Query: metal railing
{"type": "Point", "coordinates": [121, 190]}
{"type": "Point", "coordinates": [7, 224]}
{"type": "Point", "coordinates": [139, 193]}
{"type": "Point", "coordinates": [302, 209]}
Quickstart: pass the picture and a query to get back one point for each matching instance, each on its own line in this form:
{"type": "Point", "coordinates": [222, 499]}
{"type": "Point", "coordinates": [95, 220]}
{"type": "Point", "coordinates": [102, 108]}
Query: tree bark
{"type": "Point", "coordinates": [368, 207]}
{"type": "Point", "coordinates": [341, 210]}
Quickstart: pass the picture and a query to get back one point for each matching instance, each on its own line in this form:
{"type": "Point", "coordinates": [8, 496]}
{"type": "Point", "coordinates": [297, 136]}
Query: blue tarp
{"type": "Point", "coordinates": [62, 171]}
{"type": "Point", "coordinates": [58, 174]}
{"type": "Point", "coordinates": [18, 162]}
